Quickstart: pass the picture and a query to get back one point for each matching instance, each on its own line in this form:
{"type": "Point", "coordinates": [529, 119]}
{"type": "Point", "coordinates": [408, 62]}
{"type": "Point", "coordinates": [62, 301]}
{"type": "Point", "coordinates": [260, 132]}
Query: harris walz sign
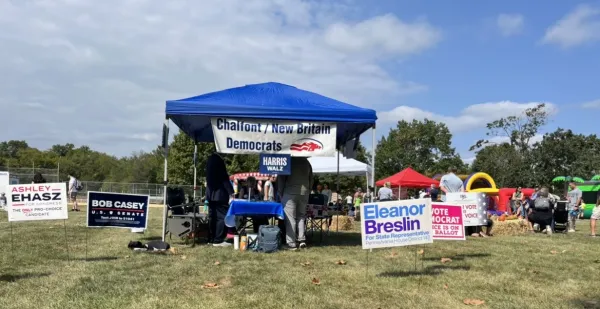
{"type": "Point", "coordinates": [117, 210]}
{"type": "Point", "coordinates": [255, 136]}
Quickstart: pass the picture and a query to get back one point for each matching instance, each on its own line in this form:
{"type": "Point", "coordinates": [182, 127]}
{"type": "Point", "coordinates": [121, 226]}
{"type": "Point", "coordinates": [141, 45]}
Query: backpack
{"type": "Point", "coordinates": [78, 185]}
{"type": "Point", "coordinates": [269, 237]}
{"type": "Point", "coordinates": [542, 203]}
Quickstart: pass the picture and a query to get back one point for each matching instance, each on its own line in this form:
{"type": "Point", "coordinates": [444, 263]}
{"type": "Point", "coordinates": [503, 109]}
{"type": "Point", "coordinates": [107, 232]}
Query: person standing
{"type": "Point", "coordinates": [385, 193]}
{"type": "Point", "coordinates": [433, 193]}
{"type": "Point", "coordinates": [573, 202]}
{"type": "Point", "coordinates": [450, 183]}
{"type": "Point", "coordinates": [74, 186]}
{"type": "Point", "coordinates": [269, 190]}
{"type": "Point", "coordinates": [219, 193]}
{"type": "Point", "coordinates": [294, 190]}
{"type": "Point", "coordinates": [595, 217]}
{"type": "Point", "coordinates": [327, 194]}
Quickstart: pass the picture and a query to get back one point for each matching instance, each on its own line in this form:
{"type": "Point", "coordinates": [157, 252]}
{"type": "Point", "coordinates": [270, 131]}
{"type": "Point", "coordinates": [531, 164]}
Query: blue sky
{"type": "Point", "coordinates": [475, 62]}
{"type": "Point", "coordinates": [98, 72]}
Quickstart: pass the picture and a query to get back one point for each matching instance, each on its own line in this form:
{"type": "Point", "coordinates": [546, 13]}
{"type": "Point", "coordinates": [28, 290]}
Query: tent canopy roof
{"type": "Point", "coordinates": [267, 101]}
{"type": "Point", "coordinates": [348, 167]}
{"type": "Point", "coordinates": [408, 178]}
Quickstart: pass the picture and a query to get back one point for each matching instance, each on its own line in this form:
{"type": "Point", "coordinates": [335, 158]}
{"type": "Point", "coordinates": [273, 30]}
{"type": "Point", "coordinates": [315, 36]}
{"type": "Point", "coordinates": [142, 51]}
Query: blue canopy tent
{"type": "Point", "coordinates": [266, 101]}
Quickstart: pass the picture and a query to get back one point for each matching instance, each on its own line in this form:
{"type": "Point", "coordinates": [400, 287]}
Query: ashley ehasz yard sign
{"type": "Point", "coordinates": [33, 202]}
{"type": "Point", "coordinates": [396, 223]}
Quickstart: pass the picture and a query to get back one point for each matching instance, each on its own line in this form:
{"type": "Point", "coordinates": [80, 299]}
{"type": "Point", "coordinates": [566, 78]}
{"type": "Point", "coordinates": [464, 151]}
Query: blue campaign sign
{"type": "Point", "coordinates": [275, 164]}
{"type": "Point", "coordinates": [106, 209]}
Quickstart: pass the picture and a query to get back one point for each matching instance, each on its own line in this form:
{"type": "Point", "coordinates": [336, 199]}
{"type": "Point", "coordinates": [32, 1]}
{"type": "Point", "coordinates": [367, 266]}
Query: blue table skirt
{"type": "Point", "coordinates": [251, 209]}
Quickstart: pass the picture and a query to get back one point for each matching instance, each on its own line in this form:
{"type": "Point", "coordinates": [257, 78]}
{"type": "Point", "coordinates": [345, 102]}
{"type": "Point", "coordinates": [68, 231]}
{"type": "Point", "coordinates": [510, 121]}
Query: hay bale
{"type": "Point", "coordinates": [342, 223]}
{"type": "Point", "coordinates": [510, 227]}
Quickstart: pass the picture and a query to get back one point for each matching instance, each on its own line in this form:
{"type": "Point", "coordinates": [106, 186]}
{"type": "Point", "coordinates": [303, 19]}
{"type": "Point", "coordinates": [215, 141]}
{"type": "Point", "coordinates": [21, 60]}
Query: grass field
{"type": "Point", "coordinates": [533, 271]}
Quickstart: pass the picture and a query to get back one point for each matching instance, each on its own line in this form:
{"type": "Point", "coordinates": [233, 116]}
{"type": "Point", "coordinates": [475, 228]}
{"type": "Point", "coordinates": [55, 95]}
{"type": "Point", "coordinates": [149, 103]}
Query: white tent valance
{"type": "Point", "coordinates": [348, 167]}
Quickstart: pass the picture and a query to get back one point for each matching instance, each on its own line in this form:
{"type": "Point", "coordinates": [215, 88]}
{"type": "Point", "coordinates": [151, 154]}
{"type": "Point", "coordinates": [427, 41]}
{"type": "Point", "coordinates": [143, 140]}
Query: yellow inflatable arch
{"type": "Point", "coordinates": [481, 182]}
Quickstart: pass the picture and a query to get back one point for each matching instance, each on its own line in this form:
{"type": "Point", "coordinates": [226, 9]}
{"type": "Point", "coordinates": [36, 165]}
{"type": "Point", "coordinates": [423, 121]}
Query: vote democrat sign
{"type": "Point", "coordinates": [253, 136]}
{"type": "Point", "coordinates": [275, 164]}
{"type": "Point", "coordinates": [447, 222]}
{"type": "Point", "coordinates": [474, 206]}
{"type": "Point", "coordinates": [117, 210]}
{"type": "Point", "coordinates": [396, 223]}
{"type": "Point", "coordinates": [32, 202]}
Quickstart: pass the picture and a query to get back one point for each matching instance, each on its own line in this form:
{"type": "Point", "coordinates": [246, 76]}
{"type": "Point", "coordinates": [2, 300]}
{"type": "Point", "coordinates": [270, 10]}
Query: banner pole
{"type": "Point", "coordinates": [367, 270]}
{"type": "Point", "coordinates": [66, 241]}
{"type": "Point", "coordinates": [337, 218]}
{"type": "Point", "coordinates": [86, 244]}
{"type": "Point", "coordinates": [12, 245]}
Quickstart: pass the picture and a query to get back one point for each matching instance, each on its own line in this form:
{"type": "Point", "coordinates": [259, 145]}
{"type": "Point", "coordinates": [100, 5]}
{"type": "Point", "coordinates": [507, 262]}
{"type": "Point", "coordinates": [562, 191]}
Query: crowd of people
{"type": "Point", "coordinates": [294, 190]}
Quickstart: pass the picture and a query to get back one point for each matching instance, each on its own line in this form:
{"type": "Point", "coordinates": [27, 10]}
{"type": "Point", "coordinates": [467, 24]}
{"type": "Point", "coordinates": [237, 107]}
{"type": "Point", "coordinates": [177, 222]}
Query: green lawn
{"type": "Point", "coordinates": [533, 271]}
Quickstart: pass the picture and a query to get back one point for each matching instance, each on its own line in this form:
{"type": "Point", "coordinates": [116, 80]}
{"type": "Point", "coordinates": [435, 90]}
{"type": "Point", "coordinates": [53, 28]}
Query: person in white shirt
{"type": "Point", "coordinates": [450, 183]}
{"type": "Point", "coordinates": [269, 191]}
{"type": "Point", "coordinates": [73, 184]}
{"type": "Point", "coordinates": [385, 193]}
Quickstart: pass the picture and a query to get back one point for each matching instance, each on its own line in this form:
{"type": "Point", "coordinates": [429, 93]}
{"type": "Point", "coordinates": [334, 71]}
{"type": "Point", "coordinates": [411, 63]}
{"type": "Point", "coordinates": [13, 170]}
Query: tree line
{"type": "Point", "coordinates": [508, 153]}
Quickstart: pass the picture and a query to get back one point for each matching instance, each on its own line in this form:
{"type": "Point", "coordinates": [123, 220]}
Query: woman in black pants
{"type": "Point", "coordinates": [541, 212]}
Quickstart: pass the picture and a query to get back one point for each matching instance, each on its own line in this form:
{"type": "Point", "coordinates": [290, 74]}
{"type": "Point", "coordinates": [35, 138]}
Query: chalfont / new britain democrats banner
{"type": "Point", "coordinates": [396, 223]}
{"type": "Point", "coordinates": [117, 210]}
{"type": "Point", "coordinates": [254, 136]}
{"type": "Point", "coordinates": [33, 202]}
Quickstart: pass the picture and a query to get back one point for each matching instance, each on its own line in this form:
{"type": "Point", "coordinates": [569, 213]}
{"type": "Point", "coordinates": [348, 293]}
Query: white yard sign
{"type": "Point", "coordinates": [4, 182]}
{"type": "Point", "coordinates": [254, 136]}
{"type": "Point", "coordinates": [32, 202]}
{"type": "Point", "coordinates": [474, 206]}
{"type": "Point", "coordinates": [396, 223]}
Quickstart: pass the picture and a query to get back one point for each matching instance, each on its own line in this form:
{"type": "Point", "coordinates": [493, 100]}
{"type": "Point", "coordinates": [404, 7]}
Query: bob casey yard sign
{"type": "Point", "coordinates": [33, 202]}
{"type": "Point", "coordinates": [254, 136]}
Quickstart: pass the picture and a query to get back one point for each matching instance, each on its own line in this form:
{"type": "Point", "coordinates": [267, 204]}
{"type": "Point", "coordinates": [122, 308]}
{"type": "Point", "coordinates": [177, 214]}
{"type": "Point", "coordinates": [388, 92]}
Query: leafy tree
{"type": "Point", "coordinates": [426, 146]}
{"type": "Point", "coordinates": [564, 153]}
{"type": "Point", "coordinates": [518, 129]}
{"type": "Point", "coordinates": [504, 163]}
{"type": "Point", "coordinates": [181, 157]}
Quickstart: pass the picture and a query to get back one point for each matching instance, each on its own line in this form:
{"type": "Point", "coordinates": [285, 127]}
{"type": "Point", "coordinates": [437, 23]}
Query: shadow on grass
{"type": "Point", "coordinates": [334, 239]}
{"type": "Point", "coordinates": [586, 303]}
{"type": "Point", "coordinates": [97, 259]}
{"type": "Point", "coordinates": [13, 278]}
{"type": "Point", "coordinates": [432, 271]}
{"type": "Point", "coordinates": [458, 257]}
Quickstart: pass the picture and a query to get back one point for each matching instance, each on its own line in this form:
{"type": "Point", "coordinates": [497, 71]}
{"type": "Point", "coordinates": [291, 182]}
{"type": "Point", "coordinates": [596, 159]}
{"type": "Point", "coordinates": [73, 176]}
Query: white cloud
{"type": "Point", "coordinates": [101, 76]}
{"type": "Point", "coordinates": [580, 26]}
{"type": "Point", "coordinates": [591, 104]}
{"type": "Point", "coordinates": [510, 24]}
{"type": "Point", "coordinates": [473, 117]}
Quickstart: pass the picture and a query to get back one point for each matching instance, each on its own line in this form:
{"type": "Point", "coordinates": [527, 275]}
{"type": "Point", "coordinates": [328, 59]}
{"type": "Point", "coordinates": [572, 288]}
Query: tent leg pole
{"type": "Point", "coordinates": [165, 209]}
{"type": "Point", "coordinates": [374, 141]}
{"type": "Point", "coordinates": [195, 169]}
{"type": "Point", "coordinates": [337, 189]}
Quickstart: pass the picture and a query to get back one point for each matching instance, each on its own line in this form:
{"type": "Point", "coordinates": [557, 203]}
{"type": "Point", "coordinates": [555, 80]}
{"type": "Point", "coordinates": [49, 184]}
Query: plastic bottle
{"type": "Point", "coordinates": [236, 242]}
{"type": "Point", "coordinates": [244, 243]}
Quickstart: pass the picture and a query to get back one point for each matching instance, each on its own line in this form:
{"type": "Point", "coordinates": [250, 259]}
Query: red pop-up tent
{"type": "Point", "coordinates": [408, 178]}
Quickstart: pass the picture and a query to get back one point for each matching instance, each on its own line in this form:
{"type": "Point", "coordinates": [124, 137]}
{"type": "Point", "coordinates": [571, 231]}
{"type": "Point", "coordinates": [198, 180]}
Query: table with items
{"type": "Point", "coordinates": [245, 210]}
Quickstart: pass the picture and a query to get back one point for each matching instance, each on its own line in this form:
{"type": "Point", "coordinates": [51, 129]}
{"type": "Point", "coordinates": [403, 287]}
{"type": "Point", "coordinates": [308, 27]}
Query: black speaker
{"type": "Point", "coordinates": [175, 196]}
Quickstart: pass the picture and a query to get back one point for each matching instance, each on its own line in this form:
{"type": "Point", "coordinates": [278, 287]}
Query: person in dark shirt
{"type": "Point", "coordinates": [542, 211]}
{"type": "Point", "coordinates": [434, 193]}
{"type": "Point", "coordinates": [219, 193]}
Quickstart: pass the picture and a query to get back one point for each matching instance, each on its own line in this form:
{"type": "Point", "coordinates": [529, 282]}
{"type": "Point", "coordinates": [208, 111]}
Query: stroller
{"type": "Point", "coordinates": [560, 220]}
